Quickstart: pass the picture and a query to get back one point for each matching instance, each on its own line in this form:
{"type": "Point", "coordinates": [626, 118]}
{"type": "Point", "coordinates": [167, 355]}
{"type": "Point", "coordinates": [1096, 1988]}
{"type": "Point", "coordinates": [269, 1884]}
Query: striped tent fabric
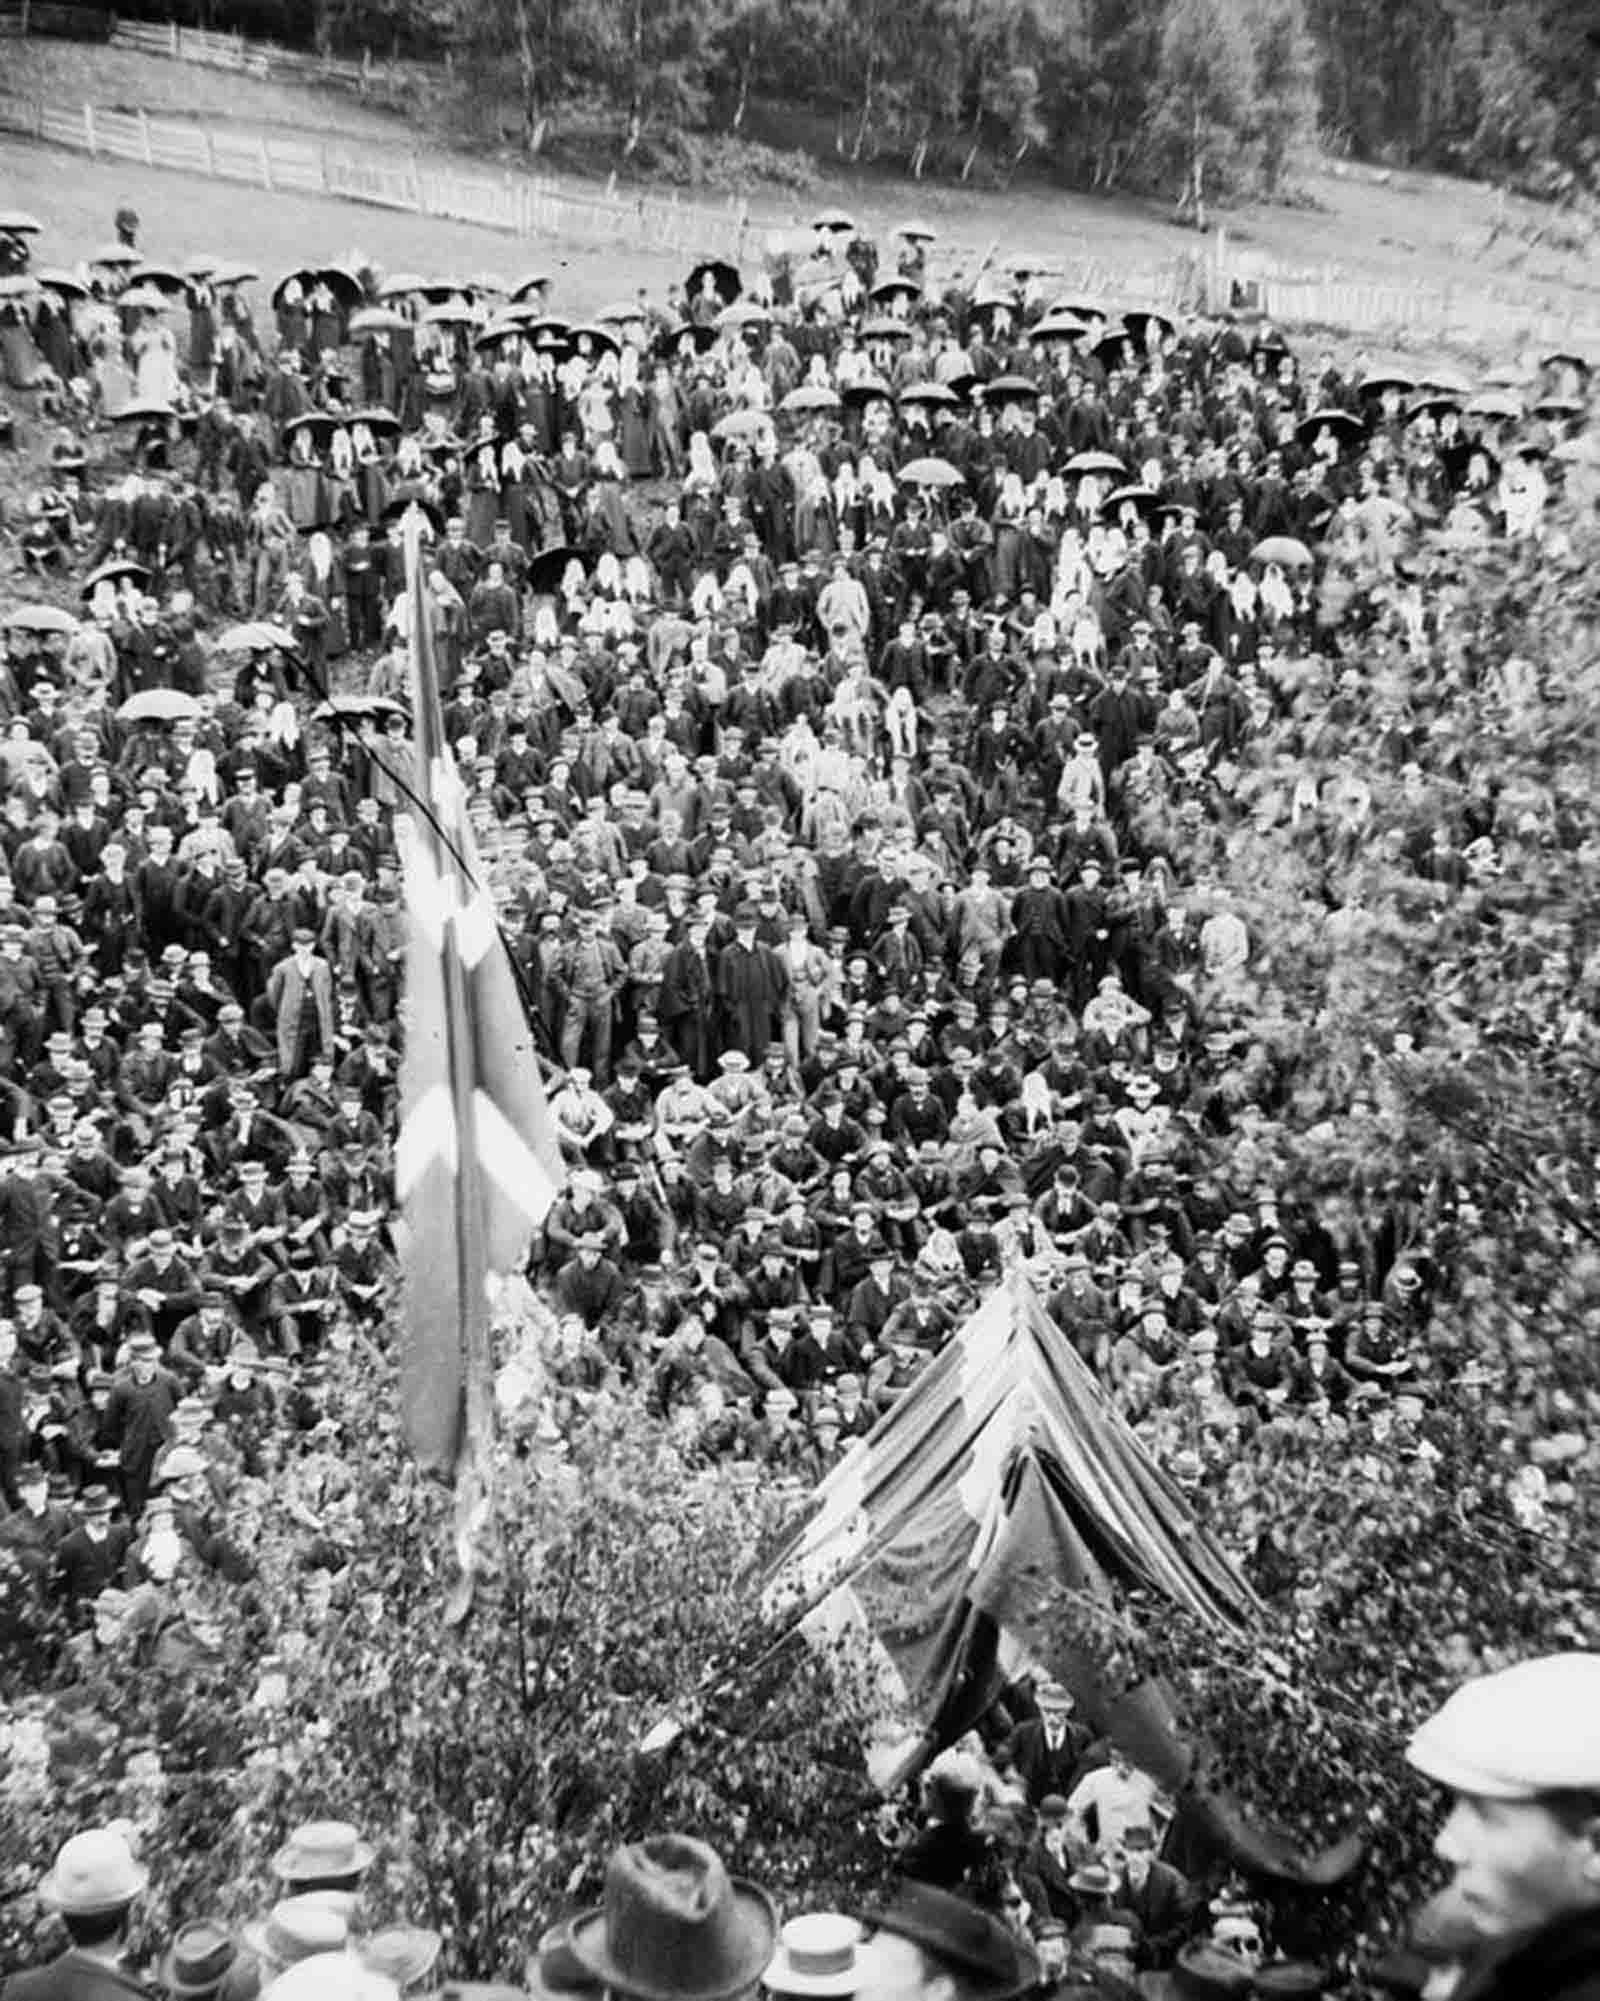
{"type": "Point", "coordinates": [945, 1540]}
{"type": "Point", "coordinates": [477, 1165]}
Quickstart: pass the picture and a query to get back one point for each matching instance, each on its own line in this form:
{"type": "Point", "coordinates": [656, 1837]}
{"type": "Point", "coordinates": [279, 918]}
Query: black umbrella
{"type": "Point", "coordinates": [546, 570]}
{"type": "Point", "coordinates": [1342, 423]}
{"type": "Point", "coordinates": [935, 395]}
{"type": "Point", "coordinates": [318, 423]}
{"type": "Point", "coordinates": [872, 389]}
{"type": "Point", "coordinates": [1010, 389]}
{"type": "Point", "coordinates": [119, 570]}
{"type": "Point", "coordinates": [888, 289]}
{"type": "Point", "coordinates": [701, 338]}
{"type": "Point", "coordinates": [376, 420]}
{"type": "Point", "coordinates": [724, 277]}
{"type": "Point", "coordinates": [399, 508]}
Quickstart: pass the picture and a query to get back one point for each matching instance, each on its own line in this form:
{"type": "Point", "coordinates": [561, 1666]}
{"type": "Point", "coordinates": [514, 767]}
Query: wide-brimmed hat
{"type": "Point", "coordinates": [963, 1940]}
{"type": "Point", "coordinates": [401, 1953]}
{"type": "Point", "coordinates": [94, 1873]}
{"type": "Point", "coordinates": [816, 1955]}
{"type": "Point", "coordinates": [675, 1926]}
{"type": "Point", "coordinates": [555, 1968]}
{"type": "Point", "coordinates": [199, 1958]}
{"type": "Point", "coordinates": [320, 1849]}
{"type": "Point", "coordinates": [299, 1928]}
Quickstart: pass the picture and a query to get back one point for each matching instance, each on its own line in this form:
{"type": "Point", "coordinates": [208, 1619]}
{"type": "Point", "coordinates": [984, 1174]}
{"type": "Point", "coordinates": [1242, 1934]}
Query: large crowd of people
{"type": "Point", "coordinates": [852, 683]}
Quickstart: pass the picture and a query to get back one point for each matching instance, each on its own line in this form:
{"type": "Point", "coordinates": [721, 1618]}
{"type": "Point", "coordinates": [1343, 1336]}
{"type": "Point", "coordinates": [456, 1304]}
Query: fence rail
{"type": "Point", "coordinates": [526, 207]}
{"type": "Point", "coordinates": [268, 61]}
{"type": "Point", "coordinates": [516, 205]}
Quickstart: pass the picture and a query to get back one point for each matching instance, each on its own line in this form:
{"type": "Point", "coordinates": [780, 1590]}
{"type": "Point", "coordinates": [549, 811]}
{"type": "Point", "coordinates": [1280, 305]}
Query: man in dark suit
{"type": "Point", "coordinates": [92, 1889]}
{"type": "Point", "coordinates": [94, 1555]}
{"type": "Point", "coordinates": [1154, 1894]}
{"type": "Point", "coordinates": [1045, 1755]}
{"type": "Point", "coordinates": [1052, 1859]}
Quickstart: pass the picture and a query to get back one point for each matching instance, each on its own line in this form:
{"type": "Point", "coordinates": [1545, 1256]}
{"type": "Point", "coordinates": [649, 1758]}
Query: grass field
{"type": "Point", "coordinates": [1396, 229]}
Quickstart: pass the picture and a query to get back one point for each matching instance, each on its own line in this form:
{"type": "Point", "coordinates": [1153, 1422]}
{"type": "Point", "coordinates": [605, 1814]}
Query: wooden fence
{"type": "Point", "coordinates": [516, 205]}
{"type": "Point", "coordinates": [265, 60]}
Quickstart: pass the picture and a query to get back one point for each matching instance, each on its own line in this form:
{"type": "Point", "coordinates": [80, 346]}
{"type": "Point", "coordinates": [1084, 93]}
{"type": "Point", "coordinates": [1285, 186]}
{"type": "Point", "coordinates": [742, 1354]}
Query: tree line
{"type": "Point", "coordinates": [1139, 95]}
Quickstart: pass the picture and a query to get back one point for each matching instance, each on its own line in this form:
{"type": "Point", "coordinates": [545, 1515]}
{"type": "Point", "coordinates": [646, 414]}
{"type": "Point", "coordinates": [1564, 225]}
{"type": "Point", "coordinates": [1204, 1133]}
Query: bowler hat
{"type": "Point", "coordinates": [962, 1939]}
{"type": "Point", "coordinates": [199, 1958]}
{"type": "Point", "coordinates": [675, 1926]}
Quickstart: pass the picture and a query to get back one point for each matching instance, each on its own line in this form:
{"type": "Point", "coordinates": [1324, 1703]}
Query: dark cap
{"type": "Point", "coordinates": [960, 1939]}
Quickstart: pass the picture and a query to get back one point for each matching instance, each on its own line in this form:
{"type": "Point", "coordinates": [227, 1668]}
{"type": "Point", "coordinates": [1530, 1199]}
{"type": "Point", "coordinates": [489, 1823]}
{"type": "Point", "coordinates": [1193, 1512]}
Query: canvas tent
{"type": "Point", "coordinates": [946, 1540]}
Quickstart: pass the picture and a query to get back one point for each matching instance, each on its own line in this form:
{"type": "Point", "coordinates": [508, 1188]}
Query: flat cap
{"type": "Point", "coordinates": [1530, 1729]}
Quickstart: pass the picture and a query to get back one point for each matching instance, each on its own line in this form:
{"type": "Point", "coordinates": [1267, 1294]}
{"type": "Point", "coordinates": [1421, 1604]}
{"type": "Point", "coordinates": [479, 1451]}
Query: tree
{"type": "Point", "coordinates": [495, 1765]}
{"type": "Point", "coordinates": [1201, 99]}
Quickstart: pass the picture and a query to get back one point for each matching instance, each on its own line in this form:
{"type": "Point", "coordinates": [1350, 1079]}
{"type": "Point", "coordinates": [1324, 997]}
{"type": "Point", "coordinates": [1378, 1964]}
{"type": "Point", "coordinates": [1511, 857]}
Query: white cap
{"type": "Point", "coordinates": [1531, 1729]}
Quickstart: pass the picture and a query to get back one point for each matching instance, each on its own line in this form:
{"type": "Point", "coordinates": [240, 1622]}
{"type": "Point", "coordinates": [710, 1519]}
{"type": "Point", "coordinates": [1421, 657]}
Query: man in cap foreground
{"type": "Point", "coordinates": [1520, 1751]}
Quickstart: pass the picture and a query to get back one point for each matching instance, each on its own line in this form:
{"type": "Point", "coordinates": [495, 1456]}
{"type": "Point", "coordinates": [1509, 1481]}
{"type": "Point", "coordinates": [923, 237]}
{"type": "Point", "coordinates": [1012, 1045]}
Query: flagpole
{"type": "Point", "coordinates": [474, 1469]}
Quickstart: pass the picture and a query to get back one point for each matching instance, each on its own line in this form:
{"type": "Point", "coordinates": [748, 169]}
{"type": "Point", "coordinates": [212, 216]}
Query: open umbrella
{"type": "Point", "coordinates": [234, 274]}
{"type": "Point", "coordinates": [1444, 379]}
{"type": "Point", "coordinates": [743, 313]}
{"type": "Point", "coordinates": [18, 285]}
{"type": "Point", "coordinates": [144, 411]}
{"type": "Point", "coordinates": [376, 419]}
{"type": "Point", "coordinates": [17, 222]}
{"type": "Point", "coordinates": [620, 313]}
{"type": "Point", "coordinates": [535, 321]}
{"type": "Point", "coordinates": [1112, 346]}
{"type": "Point", "coordinates": [896, 287]}
{"type": "Point", "coordinates": [1137, 494]}
{"type": "Point", "coordinates": [916, 231]}
{"type": "Point", "coordinates": [401, 284]}
{"type": "Point", "coordinates": [546, 570]}
{"type": "Point", "coordinates": [809, 397]}
{"type": "Point", "coordinates": [931, 472]}
{"type": "Point", "coordinates": [1565, 358]}
{"type": "Point", "coordinates": [345, 286]}
{"type": "Point", "coordinates": [112, 255]}
{"type": "Point", "coordinates": [1342, 423]}
{"type": "Point", "coordinates": [530, 282]}
{"type": "Point", "coordinates": [120, 569]}
{"type": "Point", "coordinates": [834, 222]}
{"type": "Point", "coordinates": [933, 395]}
{"type": "Point", "coordinates": [161, 276]}
{"type": "Point", "coordinates": [1287, 551]}
{"type": "Point", "coordinates": [320, 423]}
{"type": "Point", "coordinates": [64, 282]}
{"type": "Point", "coordinates": [1140, 319]}
{"type": "Point", "coordinates": [884, 329]}
{"type": "Point", "coordinates": [304, 277]}
{"type": "Point", "coordinates": [1083, 306]}
{"type": "Point", "coordinates": [256, 636]}
{"type": "Point", "coordinates": [398, 508]}
{"type": "Point", "coordinates": [1097, 462]}
{"type": "Point", "coordinates": [1057, 326]}
{"type": "Point", "coordinates": [159, 705]}
{"type": "Point", "coordinates": [1502, 404]}
{"type": "Point", "coordinates": [1432, 403]}
{"type": "Point", "coordinates": [488, 284]}
{"type": "Point", "coordinates": [359, 705]}
{"type": "Point", "coordinates": [725, 279]}
{"type": "Point", "coordinates": [145, 299]}
{"type": "Point", "coordinates": [446, 314]}
{"type": "Point", "coordinates": [497, 331]}
{"type": "Point", "coordinates": [871, 389]}
{"type": "Point", "coordinates": [1380, 379]}
{"type": "Point", "coordinates": [376, 320]}
{"type": "Point", "coordinates": [598, 337]}
{"type": "Point", "coordinates": [1010, 389]}
{"type": "Point", "coordinates": [740, 424]}
{"type": "Point", "coordinates": [39, 618]}
{"type": "Point", "coordinates": [700, 338]}
{"type": "Point", "coordinates": [441, 291]}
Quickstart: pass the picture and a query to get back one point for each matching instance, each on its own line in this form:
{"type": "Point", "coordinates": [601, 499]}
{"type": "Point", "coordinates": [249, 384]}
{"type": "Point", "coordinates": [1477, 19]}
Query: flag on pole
{"type": "Point", "coordinates": [477, 1164]}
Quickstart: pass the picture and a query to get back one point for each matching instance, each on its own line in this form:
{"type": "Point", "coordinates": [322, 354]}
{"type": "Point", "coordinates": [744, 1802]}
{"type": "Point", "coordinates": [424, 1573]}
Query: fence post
{"type": "Point", "coordinates": [174, 41]}
{"type": "Point", "coordinates": [416, 184]}
{"type": "Point", "coordinates": [266, 165]}
{"type": "Point", "coordinates": [144, 136]}
{"type": "Point", "coordinates": [88, 127]}
{"type": "Point", "coordinates": [24, 20]}
{"type": "Point", "coordinates": [211, 151]}
{"type": "Point", "coordinates": [322, 164]}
